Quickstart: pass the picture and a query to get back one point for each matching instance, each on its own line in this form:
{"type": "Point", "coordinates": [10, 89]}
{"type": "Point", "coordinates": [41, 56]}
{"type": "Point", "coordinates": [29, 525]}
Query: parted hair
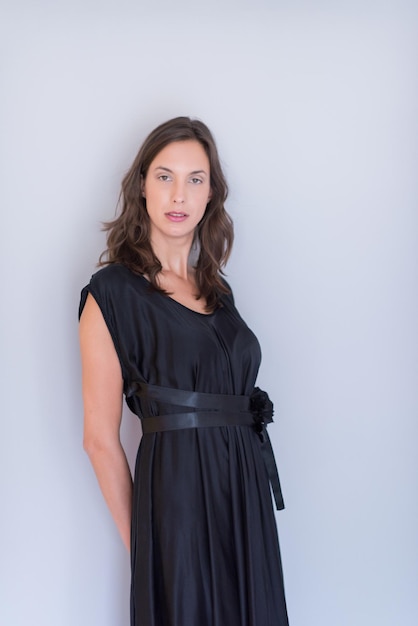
{"type": "Point", "coordinates": [128, 235]}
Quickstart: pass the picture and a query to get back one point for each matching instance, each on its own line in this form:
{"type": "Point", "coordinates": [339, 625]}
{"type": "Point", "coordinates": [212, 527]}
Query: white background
{"type": "Point", "coordinates": [314, 107]}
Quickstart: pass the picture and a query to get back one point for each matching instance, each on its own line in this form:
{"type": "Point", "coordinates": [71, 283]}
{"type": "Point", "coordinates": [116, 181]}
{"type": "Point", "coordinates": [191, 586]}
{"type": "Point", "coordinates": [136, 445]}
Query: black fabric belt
{"type": "Point", "coordinates": [193, 409]}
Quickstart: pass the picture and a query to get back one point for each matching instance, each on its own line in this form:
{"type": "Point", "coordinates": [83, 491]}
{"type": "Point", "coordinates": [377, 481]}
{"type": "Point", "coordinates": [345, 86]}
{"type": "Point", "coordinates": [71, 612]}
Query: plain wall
{"type": "Point", "coordinates": [314, 107]}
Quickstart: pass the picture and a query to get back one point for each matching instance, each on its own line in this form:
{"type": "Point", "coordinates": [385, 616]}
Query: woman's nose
{"type": "Point", "coordinates": [178, 193]}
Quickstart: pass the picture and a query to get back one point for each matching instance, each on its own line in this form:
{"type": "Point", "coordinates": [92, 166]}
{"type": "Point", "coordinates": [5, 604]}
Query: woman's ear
{"type": "Point", "coordinates": [210, 196]}
{"type": "Point", "coordinates": [143, 186]}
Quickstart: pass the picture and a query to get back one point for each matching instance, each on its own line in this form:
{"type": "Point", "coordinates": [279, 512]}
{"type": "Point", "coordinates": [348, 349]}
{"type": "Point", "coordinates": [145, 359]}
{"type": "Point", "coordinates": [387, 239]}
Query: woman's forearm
{"type": "Point", "coordinates": [112, 470]}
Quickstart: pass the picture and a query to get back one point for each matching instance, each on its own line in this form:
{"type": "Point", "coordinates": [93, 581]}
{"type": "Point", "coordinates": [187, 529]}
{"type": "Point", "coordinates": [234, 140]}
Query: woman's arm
{"type": "Point", "coordinates": [102, 397]}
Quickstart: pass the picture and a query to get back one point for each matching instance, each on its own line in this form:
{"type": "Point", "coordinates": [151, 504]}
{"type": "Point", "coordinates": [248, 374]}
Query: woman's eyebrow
{"type": "Point", "coordinates": [166, 169]}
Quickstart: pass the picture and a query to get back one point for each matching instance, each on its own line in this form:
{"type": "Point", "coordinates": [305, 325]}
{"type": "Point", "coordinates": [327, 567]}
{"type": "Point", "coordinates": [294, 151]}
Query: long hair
{"type": "Point", "coordinates": [128, 236]}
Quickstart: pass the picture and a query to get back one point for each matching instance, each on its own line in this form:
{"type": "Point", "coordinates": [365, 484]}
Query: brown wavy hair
{"type": "Point", "coordinates": [128, 236]}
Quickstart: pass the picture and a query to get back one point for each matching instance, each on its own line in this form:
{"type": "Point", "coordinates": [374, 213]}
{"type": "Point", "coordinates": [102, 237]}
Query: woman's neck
{"type": "Point", "coordinates": [173, 255]}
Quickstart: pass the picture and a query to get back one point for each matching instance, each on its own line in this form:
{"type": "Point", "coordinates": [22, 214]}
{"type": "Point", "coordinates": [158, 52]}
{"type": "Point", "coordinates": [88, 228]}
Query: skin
{"type": "Point", "coordinates": [177, 191]}
{"type": "Point", "coordinates": [177, 182]}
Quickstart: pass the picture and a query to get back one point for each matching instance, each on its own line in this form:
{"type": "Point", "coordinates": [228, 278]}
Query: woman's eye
{"type": "Point", "coordinates": [196, 181]}
{"type": "Point", "coordinates": [163, 177]}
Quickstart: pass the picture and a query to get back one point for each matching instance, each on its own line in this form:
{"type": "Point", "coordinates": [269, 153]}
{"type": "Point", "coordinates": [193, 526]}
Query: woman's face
{"type": "Point", "coordinates": [177, 189]}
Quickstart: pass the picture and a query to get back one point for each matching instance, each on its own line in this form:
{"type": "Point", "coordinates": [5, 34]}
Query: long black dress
{"type": "Point", "coordinates": [205, 550]}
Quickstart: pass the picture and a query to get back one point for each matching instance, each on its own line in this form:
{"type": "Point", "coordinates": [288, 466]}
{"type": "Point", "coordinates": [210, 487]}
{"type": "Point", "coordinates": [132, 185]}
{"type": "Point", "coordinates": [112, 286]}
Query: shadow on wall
{"type": "Point", "coordinates": [131, 433]}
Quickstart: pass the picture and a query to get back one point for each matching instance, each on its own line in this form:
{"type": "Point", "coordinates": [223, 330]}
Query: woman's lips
{"type": "Point", "coordinates": [176, 216]}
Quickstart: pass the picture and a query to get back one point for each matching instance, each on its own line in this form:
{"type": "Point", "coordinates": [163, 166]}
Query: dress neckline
{"type": "Point", "coordinates": [183, 306]}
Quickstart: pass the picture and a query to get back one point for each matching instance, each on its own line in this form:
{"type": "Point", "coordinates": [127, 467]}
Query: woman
{"type": "Point", "coordinates": [158, 324]}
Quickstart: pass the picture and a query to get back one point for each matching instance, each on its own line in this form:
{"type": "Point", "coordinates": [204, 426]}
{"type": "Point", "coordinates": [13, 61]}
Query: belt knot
{"type": "Point", "coordinates": [262, 410]}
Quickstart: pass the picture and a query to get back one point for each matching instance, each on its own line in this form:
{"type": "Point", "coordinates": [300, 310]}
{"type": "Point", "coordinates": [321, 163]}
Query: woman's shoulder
{"type": "Point", "coordinates": [110, 286]}
{"type": "Point", "coordinates": [116, 278]}
{"type": "Point", "coordinates": [112, 274]}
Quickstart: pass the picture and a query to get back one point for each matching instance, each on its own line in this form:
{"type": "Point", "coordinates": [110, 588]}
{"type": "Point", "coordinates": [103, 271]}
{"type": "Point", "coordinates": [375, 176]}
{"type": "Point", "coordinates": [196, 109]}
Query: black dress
{"type": "Point", "coordinates": [204, 546]}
